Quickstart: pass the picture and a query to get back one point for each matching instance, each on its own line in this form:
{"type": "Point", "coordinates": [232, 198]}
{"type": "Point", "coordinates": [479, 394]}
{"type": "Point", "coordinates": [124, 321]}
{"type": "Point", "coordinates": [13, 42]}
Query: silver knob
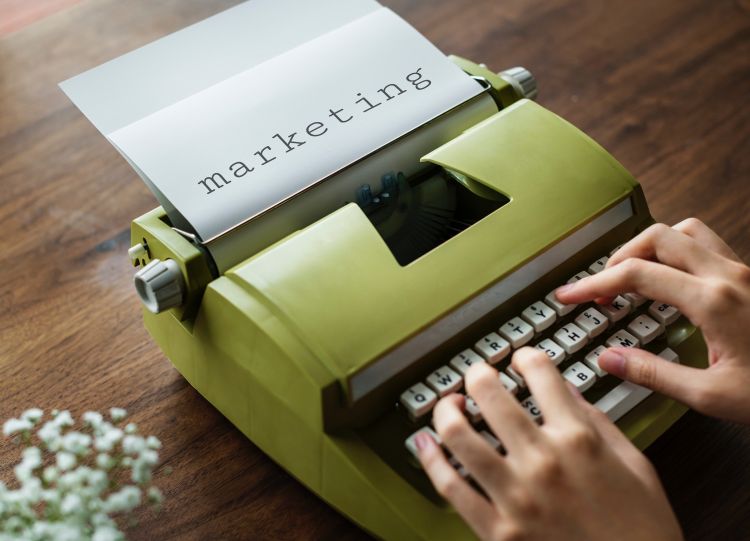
{"type": "Point", "coordinates": [521, 80]}
{"type": "Point", "coordinates": [160, 285]}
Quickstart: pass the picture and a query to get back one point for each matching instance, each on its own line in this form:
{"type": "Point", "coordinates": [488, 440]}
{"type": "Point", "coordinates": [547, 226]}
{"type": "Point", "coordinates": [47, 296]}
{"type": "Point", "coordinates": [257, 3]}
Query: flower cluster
{"type": "Point", "coordinates": [69, 480]}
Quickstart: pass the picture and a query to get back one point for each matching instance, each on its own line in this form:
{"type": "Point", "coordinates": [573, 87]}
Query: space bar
{"type": "Point", "coordinates": [628, 395]}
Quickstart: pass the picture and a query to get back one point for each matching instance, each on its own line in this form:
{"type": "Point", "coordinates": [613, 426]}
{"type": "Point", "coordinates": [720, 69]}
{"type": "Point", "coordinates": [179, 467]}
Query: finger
{"type": "Point", "coordinates": [620, 444]}
{"type": "Point", "coordinates": [653, 280]}
{"type": "Point", "coordinates": [483, 462]}
{"type": "Point", "coordinates": [673, 248]}
{"type": "Point", "coordinates": [683, 383]}
{"type": "Point", "coordinates": [501, 411]}
{"type": "Point", "coordinates": [546, 385]}
{"type": "Point", "coordinates": [696, 229]}
{"type": "Point", "coordinates": [476, 510]}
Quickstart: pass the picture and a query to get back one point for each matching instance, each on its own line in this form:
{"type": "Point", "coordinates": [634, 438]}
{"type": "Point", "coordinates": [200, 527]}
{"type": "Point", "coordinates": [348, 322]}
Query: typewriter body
{"type": "Point", "coordinates": [328, 346]}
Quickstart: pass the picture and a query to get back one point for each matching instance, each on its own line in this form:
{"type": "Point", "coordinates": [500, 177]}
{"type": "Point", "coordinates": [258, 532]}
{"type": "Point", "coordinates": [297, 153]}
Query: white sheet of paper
{"type": "Point", "coordinates": [227, 153]}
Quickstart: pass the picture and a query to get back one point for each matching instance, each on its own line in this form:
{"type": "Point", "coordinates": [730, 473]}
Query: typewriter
{"type": "Point", "coordinates": [328, 342]}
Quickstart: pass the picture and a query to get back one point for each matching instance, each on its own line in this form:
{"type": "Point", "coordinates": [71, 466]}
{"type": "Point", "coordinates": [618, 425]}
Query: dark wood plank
{"type": "Point", "coordinates": [663, 86]}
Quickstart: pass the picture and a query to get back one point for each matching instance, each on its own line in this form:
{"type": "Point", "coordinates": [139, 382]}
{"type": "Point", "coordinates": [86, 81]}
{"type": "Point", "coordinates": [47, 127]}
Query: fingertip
{"type": "Point", "coordinates": [562, 292]}
{"type": "Point", "coordinates": [613, 362]}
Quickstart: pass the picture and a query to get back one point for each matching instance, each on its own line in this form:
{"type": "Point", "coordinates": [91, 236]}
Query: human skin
{"type": "Point", "coordinates": [577, 476]}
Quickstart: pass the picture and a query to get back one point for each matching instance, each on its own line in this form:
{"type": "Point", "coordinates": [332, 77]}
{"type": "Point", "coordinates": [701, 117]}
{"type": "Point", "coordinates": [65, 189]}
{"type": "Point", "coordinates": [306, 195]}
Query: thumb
{"type": "Point", "coordinates": [683, 383]}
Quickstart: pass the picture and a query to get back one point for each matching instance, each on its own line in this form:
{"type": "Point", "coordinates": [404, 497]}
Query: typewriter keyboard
{"type": "Point", "coordinates": [572, 336]}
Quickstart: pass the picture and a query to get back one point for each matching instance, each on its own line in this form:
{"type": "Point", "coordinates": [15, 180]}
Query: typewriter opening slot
{"type": "Point", "coordinates": [417, 214]}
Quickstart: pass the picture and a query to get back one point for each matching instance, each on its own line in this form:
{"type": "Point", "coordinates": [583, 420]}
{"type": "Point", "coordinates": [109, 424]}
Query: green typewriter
{"type": "Point", "coordinates": [328, 342]}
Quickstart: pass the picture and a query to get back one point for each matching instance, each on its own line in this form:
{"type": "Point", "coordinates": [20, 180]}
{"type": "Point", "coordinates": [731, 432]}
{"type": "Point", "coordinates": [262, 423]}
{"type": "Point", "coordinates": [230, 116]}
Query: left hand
{"type": "Point", "coordinates": [575, 477]}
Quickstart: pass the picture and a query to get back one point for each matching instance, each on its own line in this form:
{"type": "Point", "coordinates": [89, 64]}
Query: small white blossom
{"type": "Point", "coordinates": [132, 445]}
{"type": "Point", "coordinates": [117, 414]}
{"type": "Point", "coordinates": [13, 426]}
{"type": "Point", "coordinates": [108, 439]}
{"type": "Point", "coordinates": [154, 495]}
{"type": "Point", "coordinates": [77, 443]}
{"type": "Point", "coordinates": [65, 460]}
{"type": "Point", "coordinates": [93, 418]}
{"type": "Point", "coordinates": [124, 500]}
{"type": "Point", "coordinates": [153, 442]}
{"type": "Point", "coordinates": [64, 419]}
{"type": "Point", "coordinates": [107, 533]}
{"type": "Point", "coordinates": [50, 474]}
{"type": "Point", "coordinates": [104, 461]}
{"type": "Point", "coordinates": [70, 504]}
{"type": "Point", "coordinates": [32, 415]}
{"type": "Point", "coordinates": [73, 498]}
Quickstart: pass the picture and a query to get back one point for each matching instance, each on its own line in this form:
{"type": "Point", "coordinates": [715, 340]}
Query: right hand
{"type": "Point", "coordinates": [691, 268]}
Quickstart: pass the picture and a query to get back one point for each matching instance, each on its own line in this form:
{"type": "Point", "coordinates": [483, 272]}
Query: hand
{"type": "Point", "coordinates": [576, 477]}
{"type": "Point", "coordinates": [691, 268]}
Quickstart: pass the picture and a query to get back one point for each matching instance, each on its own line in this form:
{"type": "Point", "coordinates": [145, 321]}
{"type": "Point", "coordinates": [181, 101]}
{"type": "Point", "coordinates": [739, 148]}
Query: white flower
{"type": "Point", "coordinates": [32, 415]}
{"type": "Point", "coordinates": [50, 435]}
{"type": "Point", "coordinates": [65, 460]}
{"type": "Point", "coordinates": [77, 443]}
{"type": "Point", "coordinates": [50, 474]}
{"type": "Point", "coordinates": [117, 414]}
{"type": "Point", "coordinates": [104, 461]}
{"type": "Point", "coordinates": [132, 445]}
{"type": "Point", "coordinates": [153, 442]}
{"type": "Point", "coordinates": [107, 440]}
{"type": "Point", "coordinates": [70, 504]}
{"type": "Point", "coordinates": [154, 495]}
{"type": "Point", "coordinates": [63, 419]}
{"type": "Point", "coordinates": [13, 426]}
{"type": "Point", "coordinates": [107, 533]}
{"type": "Point", "coordinates": [70, 500]}
{"type": "Point", "coordinates": [124, 500]}
{"type": "Point", "coordinates": [93, 418]}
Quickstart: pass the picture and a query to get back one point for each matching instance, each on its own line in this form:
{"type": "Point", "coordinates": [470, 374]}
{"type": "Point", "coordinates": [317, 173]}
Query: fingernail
{"type": "Point", "coordinates": [422, 440]}
{"type": "Point", "coordinates": [565, 289]}
{"type": "Point", "coordinates": [612, 362]}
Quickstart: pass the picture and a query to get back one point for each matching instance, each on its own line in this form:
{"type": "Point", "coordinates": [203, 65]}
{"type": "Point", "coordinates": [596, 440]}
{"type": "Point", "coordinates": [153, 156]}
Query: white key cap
{"type": "Point", "coordinates": [592, 361]}
{"type": "Point", "coordinates": [619, 308]}
{"type": "Point", "coordinates": [670, 355]}
{"type": "Point", "coordinates": [622, 339]}
{"type": "Point", "coordinates": [532, 409]}
{"type": "Point", "coordinates": [664, 313]}
{"type": "Point", "coordinates": [579, 276]}
{"type": "Point", "coordinates": [463, 472]}
{"type": "Point", "coordinates": [571, 337]}
{"type": "Point", "coordinates": [517, 332]}
{"type": "Point", "coordinates": [645, 328]}
{"type": "Point", "coordinates": [492, 440]}
{"type": "Point", "coordinates": [540, 316]}
{"type": "Point", "coordinates": [444, 381]}
{"type": "Point", "coordinates": [493, 347]}
{"type": "Point", "coordinates": [580, 376]}
{"type": "Point", "coordinates": [635, 299]}
{"type": "Point", "coordinates": [515, 376]}
{"type": "Point", "coordinates": [411, 444]}
{"type": "Point", "coordinates": [627, 395]}
{"type": "Point", "coordinates": [418, 400]}
{"type": "Point", "coordinates": [472, 410]}
{"type": "Point", "coordinates": [592, 321]}
{"type": "Point", "coordinates": [461, 362]}
{"type": "Point", "coordinates": [598, 265]}
{"type": "Point", "coordinates": [553, 350]}
{"type": "Point", "coordinates": [559, 308]}
{"type": "Point", "coordinates": [510, 385]}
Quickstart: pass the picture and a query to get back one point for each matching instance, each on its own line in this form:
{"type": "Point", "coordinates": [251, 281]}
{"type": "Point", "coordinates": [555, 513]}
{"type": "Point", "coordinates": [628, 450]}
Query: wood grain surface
{"type": "Point", "coordinates": [664, 86]}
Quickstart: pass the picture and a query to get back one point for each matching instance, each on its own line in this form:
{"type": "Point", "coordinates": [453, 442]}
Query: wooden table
{"type": "Point", "coordinates": [663, 85]}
